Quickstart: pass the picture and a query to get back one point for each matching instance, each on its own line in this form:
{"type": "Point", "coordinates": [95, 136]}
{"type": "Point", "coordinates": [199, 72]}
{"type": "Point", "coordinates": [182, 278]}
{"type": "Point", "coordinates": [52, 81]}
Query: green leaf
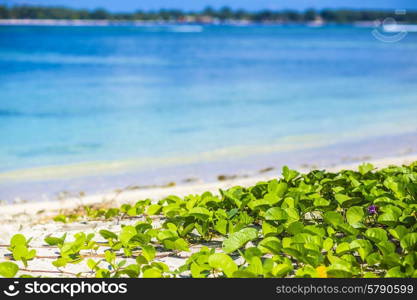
{"type": "Point", "coordinates": [60, 262]}
{"type": "Point", "coordinates": [152, 273]}
{"type": "Point", "coordinates": [409, 241]}
{"type": "Point", "coordinates": [394, 185]}
{"type": "Point", "coordinates": [277, 188]}
{"type": "Point", "coordinates": [167, 235]}
{"type": "Point", "coordinates": [305, 238]}
{"type": "Point", "coordinates": [141, 238]}
{"type": "Point", "coordinates": [365, 168]}
{"type": "Point", "coordinates": [142, 227]}
{"type": "Point", "coordinates": [187, 229]}
{"type": "Point", "coordinates": [17, 239]}
{"type": "Point", "coordinates": [314, 230]}
{"type": "Point", "coordinates": [132, 271]}
{"type": "Point", "coordinates": [223, 262]}
{"type": "Point", "coordinates": [340, 269]}
{"type": "Point", "coordinates": [289, 174]}
{"type": "Point", "coordinates": [109, 256]}
{"type": "Point", "coordinates": [390, 216]}
{"type": "Point", "coordinates": [54, 241]}
{"type": "Point", "coordinates": [395, 273]}
{"type": "Point", "coordinates": [391, 259]}
{"type": "Point", "coordinates": [255, 266]}
{"type": "Point", "coordinates": [292, 214]}
{"type": "Point", "coordinates": [271, 199]}
{"type": "Point", "coordinates": [196, 270]}
{"type": "Point", "coordinates": [386, 247]}
{"type": "Point", "coordinates": [363, 247]}
{"type": "Point", "coordinates": [149, 252]}
{"type": "Point", "coordinates": [355, 215]}
{"type": "Point", "coordinates": [321, 202]}
{"type": "Point", "coordinates": [281, 270]}
{"type": "Point", "coordinates": [346, 228]}
{"type": "Point", "coordinates": [141, 260]}
{"type": "Point", "coordinates": [239, 239]}
{"type": "Point", "coordinates": [306, 271]}
{"type": "Point", "coordinates": [154, 209]}
{"type": "Point", "coordinates": [182, 245]}
{"type": "Point", "coordinates": [276, 214]}
{"type": "Point", "coordinates": [373, 259]}
{"type": "Point", "coordinates": [333, 218]}
{"type": "Point", "coordinates": [295, 228]}
{"type": "Point", "coordinates": [61, 218]}
{"type": "Point", "coordinates": [342, 248]}
{"type": "Point", "coordinates": [221, 226]}
{"type": "Point", "coordinates": [200, 213]}
{"type": "Point", "coordinates": [269, 228]}
{"type": "Point", "coordinates": [270, 245]}
{"type": "Point", "coordinates": [376, 235]}
{"type": "Point", "coordinates": [126, 234]}
{"type": "Point", "coordinates": [243, 274]}
{"type": "Point", "coordinates": [106, 234]}
{"type": "Point", "coordinates": [341, 198]}
{"type": "Point", "coordinates": [370, 275]}
{"type": "Point", "coordinates": [8, 269]}
{"type": "Point", "coordinates": [252, 252]}
{"type": "Point", "coordinates": [20, 251]}
{"type": "Point", "coordinates": [102, 273]}
{"type": "Point", "coordinates": [328, 244]}
{"type": "Point", "coordinates": [347, 201]}
{"type": "Point", "coordinates": [92, 264]}
{"type": "Point", "coordinates": [398, 232]}
{"type": "Point", "coordinates": [259, 204]}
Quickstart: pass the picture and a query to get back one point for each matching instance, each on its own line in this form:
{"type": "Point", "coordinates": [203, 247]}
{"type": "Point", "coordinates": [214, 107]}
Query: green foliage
{"type": "Point", "coordinates": [238, 239]}
{"type": "Point", "coordinates": [19, 247]}
{"type": "Point", "coordinates": [320, 224]}
{"type": "Point", "coordinates": [223, 262]}
{"type": "Point", "coordinates": [70, 251]}
{"type": "Point", "coordinates": [8, 269]}
{"type": "Point", "coordinates": [54, 241]}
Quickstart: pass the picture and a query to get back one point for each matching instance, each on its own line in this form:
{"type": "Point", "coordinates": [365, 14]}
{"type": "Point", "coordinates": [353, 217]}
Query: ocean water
{"type": "Point", "coordinates": [96, 100]}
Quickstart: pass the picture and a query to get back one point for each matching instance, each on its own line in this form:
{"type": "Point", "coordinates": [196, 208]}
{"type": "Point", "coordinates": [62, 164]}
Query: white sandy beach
{"type": "Point", "coordinates": [35, 219]}
{"type": "Point", "coordinates": [120, 197]}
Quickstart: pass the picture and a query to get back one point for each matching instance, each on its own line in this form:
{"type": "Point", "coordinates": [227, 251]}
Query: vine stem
{"type": "Point", "coordinates": [100, 244]}
{"type": "Point", "coordinates": [42, 246]}
{"type": "Point", "coordinates": [82, 256]}
{"type": "Point", "coordinates": [161, 255]}
{"type": "Point", "coordinates": [48, 271]}
{"type": "Point", "coordinates": [101, 256]}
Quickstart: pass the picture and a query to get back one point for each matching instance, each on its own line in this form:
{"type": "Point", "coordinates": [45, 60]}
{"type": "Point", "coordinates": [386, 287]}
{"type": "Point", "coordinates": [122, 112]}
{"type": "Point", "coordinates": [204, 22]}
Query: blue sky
{"type": "Point", "coordinates": [130, 5]}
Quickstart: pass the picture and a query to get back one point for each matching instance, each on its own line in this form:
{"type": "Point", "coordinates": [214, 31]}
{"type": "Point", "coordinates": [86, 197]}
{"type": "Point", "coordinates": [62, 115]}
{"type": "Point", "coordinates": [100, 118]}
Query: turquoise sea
{"type": "Point", "coordinates": [149, 104]}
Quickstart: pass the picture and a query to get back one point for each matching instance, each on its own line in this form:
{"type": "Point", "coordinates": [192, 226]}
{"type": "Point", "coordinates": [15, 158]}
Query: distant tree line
{"type": "Point", "coordinates": [206, 15]}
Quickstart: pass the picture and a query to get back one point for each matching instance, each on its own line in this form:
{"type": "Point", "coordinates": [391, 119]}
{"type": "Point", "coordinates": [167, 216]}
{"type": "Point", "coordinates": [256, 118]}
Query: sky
{"type": "Point", "coordinates": [132, 5]}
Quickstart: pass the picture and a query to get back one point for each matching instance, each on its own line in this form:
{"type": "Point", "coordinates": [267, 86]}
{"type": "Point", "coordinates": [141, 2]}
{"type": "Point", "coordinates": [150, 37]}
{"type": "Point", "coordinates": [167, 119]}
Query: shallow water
{"type": "Point", "coordinates": [127, 98]}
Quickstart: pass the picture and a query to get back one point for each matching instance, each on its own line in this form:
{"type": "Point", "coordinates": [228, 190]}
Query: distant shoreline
{"type": "Point", "coordinates": [210, 15]}
{"type": "Point", "coordinates": [69, 22]}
